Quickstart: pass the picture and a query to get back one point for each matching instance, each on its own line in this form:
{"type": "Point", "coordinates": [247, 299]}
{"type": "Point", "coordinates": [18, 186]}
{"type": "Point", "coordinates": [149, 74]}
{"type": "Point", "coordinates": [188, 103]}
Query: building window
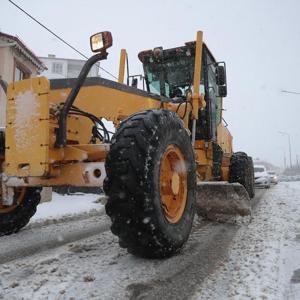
{"type": "Point", "coordinates": [20, 73]}
{"type": "Point", "coordinates": [74, 69]}
{"type": "Point", "coordinates": [57, 68]}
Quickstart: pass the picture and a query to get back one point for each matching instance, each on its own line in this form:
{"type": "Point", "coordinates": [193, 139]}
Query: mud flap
{"type": "Point", "coordinates": [222, 198]}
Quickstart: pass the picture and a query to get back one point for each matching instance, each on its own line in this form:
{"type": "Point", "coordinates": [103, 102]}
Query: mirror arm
{"type": "Point", "coordinates": [61, 137]}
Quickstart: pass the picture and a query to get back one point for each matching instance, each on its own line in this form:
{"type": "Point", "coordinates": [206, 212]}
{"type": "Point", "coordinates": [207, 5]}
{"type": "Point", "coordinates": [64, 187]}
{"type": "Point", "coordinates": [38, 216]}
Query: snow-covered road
{"type": "Point", "coordinates": [40, 236]}
{"type": "Point", "coordinates": [256, 260]}
{"type": "Point", "coordinates": [264, 258]}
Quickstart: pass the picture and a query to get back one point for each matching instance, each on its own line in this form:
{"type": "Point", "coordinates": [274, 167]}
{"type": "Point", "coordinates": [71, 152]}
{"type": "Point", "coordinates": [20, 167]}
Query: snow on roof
{"type": "Point", "coordinates": [14, 41]}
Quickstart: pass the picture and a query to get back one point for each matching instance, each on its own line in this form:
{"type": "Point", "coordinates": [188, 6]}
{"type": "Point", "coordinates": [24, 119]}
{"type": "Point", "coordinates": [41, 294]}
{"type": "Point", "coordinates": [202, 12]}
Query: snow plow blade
{"type": "Point", "coordinates": [222, 198]}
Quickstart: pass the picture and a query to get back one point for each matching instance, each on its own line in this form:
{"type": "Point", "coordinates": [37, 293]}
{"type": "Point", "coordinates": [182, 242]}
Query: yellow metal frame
{"type": "Point", "coordinates": [122, 66]}
{"type": "Point", "coordinates": [32, 158]}
{"type": "Point", "coordinates": [27, 128]}
{"type": "Point", "coordinates": [197, 75]}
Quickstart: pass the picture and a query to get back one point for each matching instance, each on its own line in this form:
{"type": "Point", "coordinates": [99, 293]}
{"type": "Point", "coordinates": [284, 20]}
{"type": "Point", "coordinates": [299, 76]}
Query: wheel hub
{"type": "Point", "coordinates": [173, 184]}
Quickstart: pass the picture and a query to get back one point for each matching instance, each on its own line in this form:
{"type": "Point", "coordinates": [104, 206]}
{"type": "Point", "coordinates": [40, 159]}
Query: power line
{"type": "Point", "coordinates": [57, 36]}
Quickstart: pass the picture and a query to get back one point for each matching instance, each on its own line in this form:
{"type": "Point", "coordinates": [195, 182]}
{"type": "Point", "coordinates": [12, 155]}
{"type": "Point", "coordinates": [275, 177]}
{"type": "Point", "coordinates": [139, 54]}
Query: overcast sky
{"type": "Point", "coordinates": [258, 39]}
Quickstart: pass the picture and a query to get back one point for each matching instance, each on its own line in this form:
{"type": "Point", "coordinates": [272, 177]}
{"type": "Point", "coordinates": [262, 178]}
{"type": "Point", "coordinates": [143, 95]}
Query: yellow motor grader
{"type": "Point", "coordinates": [170, 153]}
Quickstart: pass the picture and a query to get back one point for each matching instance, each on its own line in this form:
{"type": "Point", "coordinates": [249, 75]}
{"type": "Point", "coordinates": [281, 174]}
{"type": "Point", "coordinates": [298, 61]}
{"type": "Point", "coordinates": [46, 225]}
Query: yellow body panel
{"type": "Point", "coordinates": [204, 161]}
{"type": "Point", "coordinates": [224, 138]}
{"type": "Point", "coordinates": [75, 174]}
{"type": "Point", "coordinates": [73, 128]}
{"type": "Point", "coordinates": [27, 128]}
{"type": "Point", "coordinates": [107, 102]}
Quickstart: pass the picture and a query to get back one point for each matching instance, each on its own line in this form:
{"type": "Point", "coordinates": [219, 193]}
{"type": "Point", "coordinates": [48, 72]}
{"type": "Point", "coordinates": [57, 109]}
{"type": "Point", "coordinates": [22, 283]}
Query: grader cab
{"type": "Point", "coordinates": [169, 142]}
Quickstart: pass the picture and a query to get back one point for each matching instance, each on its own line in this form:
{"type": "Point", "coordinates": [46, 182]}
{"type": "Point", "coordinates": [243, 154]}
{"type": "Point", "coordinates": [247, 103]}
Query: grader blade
{"type": "Point", "coordinates": [222, 198]}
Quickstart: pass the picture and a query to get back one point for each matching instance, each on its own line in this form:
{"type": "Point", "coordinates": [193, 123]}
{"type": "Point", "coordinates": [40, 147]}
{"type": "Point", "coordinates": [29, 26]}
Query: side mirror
{"type": "Point", "coordinates": [220, 75]}
{"type": "Point", "coordinates": [222, 90]}
{"type": "Point", "coordinates": [101, 41]}
{"type": "Point", "coordinates": [221, 79]}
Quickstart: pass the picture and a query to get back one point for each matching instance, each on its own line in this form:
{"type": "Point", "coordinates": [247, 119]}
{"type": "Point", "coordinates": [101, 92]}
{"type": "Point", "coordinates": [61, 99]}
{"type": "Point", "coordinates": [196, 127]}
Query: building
{"type": "Point", "coordinates": [65, 67]}
{"type": "Point", "coordinates": [17, 62]}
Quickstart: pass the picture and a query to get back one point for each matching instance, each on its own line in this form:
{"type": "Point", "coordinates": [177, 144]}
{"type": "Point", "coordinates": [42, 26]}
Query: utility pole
{"type": "Point", "coordinates": [289, 140]}
{"type": "Point", "coordinates": [284, 156]}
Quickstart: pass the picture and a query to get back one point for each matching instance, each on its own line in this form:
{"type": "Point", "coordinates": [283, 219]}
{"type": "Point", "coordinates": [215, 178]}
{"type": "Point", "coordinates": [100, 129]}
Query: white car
{"type": "Point", "coordinates": [273, 176]}
{"type": "Point", "coordinates": [261, 177]}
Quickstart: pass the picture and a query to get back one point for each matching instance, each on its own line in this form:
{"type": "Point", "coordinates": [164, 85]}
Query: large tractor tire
{"type": "Point", "coordinates": [13, 218]}
{"type": "Point", "coordinates": [151, 184]}
{"type": "Point", "coordinates": [241, 171]}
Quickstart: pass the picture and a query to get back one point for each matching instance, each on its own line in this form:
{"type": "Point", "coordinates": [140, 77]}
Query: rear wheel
{"type": "Point", "coordinates": [241, 171]}
{"type": "Point", "coordinates": [151, 184]}
{"type": "Point", "coordinates": [15, 217]}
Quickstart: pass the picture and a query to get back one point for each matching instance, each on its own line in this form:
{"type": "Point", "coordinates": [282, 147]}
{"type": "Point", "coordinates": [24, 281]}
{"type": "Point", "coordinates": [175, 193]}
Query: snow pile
{"type": "Point", "coordinates": [264, 259]}
{"type": "Point", "coordinates": [67, 205]}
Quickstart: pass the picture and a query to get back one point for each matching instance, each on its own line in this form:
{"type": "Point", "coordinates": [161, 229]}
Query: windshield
{"type": "Point", "coordinates": [176, 71]}
{"type": "Point", "coordinates": [259, 169]}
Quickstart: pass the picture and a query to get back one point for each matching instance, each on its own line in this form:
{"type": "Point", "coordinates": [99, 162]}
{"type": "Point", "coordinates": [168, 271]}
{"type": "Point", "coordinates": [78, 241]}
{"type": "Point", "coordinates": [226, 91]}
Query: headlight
{"type": "Point", "coordinates": [101, 41]}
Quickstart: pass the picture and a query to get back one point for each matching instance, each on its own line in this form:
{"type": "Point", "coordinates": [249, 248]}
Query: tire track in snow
{"type": "Point", "coordinates": [206, 250]}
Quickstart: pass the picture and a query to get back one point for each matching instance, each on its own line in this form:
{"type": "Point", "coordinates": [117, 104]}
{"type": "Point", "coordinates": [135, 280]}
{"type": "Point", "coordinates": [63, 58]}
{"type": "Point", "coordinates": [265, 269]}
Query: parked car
{"type": "Point", "coordinates": [273, 176]}
{"type": "Point", "coordinates": [261, 177]}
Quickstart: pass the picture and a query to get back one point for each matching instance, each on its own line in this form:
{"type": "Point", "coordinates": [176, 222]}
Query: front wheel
{"type": "Point", "coordinates": [151, 184]}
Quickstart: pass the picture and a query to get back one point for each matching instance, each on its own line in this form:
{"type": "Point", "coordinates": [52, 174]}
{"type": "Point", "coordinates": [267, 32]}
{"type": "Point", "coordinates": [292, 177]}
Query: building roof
{"type": "Point", "coordinates": [14, 41]}
{"type": "Point", "coordinates": [53, 57]}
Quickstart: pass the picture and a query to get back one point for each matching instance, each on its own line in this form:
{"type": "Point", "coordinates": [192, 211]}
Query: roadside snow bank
{"type": "Point", "coordinates": [66, 206]}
